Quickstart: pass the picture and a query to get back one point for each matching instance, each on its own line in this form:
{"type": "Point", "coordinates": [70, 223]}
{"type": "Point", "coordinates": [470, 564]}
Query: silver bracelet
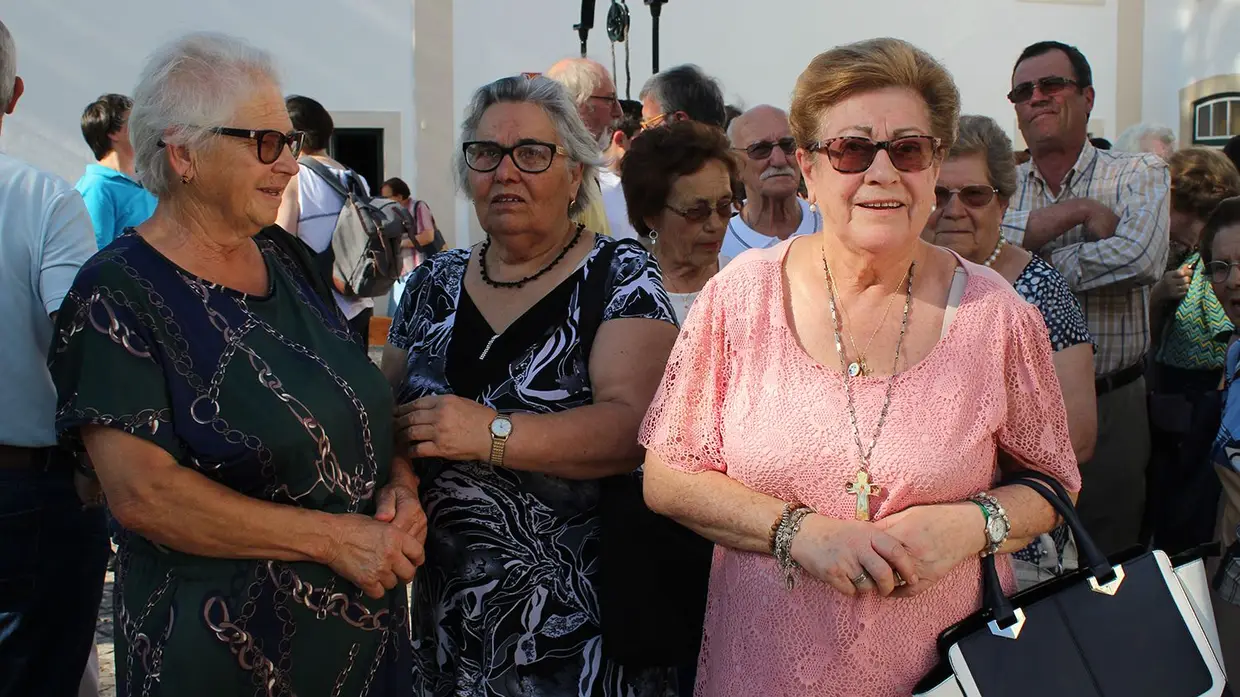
{"type": "Point", "coordinates": [789, 526]}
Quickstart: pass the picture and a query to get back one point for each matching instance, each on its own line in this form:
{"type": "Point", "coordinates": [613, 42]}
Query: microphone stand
{"type": "Point", "coordinates": [656, 9]}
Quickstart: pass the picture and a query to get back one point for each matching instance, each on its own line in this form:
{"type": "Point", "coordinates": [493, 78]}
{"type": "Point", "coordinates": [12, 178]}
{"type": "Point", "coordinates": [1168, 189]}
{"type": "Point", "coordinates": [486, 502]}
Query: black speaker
{"type": "Point", "coordinates": [587, 23]}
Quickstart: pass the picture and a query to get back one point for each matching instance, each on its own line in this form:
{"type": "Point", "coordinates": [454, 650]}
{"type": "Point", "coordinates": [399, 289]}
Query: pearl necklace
{"type": "Point", "coordinates": [994, 255]}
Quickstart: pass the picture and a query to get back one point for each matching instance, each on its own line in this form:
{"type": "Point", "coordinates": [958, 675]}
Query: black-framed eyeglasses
{"type": "Point", "coordinates": [530, 156]}
{"type": "Point", "coordinates": [1220, 270]}
{"type": "Point", "coordinates": [608, 98]}
{"type": "Point", "coordinates": [763, 148]}
{"type": "Point", "coordinates": [268, 143]}
{"type": "Point", "coordinates": [700, 212]}
{"type": "Point", "coordinates": [974, 196]}
{"type": "Point", "coordinates": [853, 154]}
{"type": "Point", "coordinates": [1049, 86]}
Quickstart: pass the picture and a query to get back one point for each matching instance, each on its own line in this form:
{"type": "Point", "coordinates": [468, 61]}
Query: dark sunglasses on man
{"type": "Point", "coordinates": [975, 196]}
{"type": "Point", "coordinates": [1049, 86]}
{"type": "Point", "coordinates": [853, 154]}
{"type": "Point", "coordinates": [762, 149]}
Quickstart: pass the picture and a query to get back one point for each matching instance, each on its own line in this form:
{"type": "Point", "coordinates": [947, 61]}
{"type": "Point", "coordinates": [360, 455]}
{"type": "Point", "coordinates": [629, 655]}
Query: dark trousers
{"type": "Point", "coordinates": [52, 558]}
{"type": "Point", "coordinates": [360, 326]}
{"type": "Point", "coordinates": [1112, 499]}
{"type": "Point", "coordinates": [1181, 508]}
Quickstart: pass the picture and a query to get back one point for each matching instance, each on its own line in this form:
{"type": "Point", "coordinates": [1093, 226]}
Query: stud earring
{"type": "Point", "coordinates": [184, 179]}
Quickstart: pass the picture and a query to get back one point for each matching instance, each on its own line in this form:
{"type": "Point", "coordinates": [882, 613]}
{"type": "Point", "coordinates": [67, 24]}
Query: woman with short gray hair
{"type": "Point", "coordinates": [242, 441]}
{"type": "Point", "coordinates": [974, 187]}
{"type": "Point", "coordinates": [523, 367]}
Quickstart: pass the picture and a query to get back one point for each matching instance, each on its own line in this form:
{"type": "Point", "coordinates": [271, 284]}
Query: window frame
{"type": "Point", "coordinates": [1232, 100]}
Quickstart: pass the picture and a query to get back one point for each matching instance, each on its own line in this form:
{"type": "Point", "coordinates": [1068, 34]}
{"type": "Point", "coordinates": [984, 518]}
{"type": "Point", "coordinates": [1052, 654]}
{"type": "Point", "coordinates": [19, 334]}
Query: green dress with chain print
{"type": "Point", "coordinates": [270, 397]}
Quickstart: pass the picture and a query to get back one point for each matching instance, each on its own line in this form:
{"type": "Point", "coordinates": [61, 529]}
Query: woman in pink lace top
{"type": "Point", "coordinates": [855, 372]}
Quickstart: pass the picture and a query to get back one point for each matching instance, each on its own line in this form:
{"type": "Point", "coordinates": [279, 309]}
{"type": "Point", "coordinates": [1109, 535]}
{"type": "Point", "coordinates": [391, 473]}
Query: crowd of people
{"type": "Point", "coordinates": [719, 406]}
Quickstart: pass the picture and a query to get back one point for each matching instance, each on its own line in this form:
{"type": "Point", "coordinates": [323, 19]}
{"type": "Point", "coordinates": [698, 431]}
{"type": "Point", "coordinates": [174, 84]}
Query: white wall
{"type": "Point", "coordinates": [351, 55]}
{"type": "Point", "coordinates": [1186, 41]}
{"type": "Point", "coordinates": [758, 49]}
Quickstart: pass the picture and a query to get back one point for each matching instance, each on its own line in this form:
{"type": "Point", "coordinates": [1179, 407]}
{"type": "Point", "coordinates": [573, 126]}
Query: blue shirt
{"type": "Point", "coordinates": [45, 236]}
{"type": "Point", "coordinates": [115, 202]}
{"type": "Point", "coordinates": [1227, 443]}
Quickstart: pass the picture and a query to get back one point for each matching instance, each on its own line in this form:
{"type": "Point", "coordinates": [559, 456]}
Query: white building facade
{"type": "Point", "coordinates": [406, 68]}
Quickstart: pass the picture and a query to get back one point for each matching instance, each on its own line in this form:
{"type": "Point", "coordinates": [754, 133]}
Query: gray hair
{"type": "Point", "coordinates": [554, 100]}
{"type": "Point", "coordinates": [686, 88]}
{"type": "Point", "coordinates": [1133, 138]}
{"type": "Point", "coordinates": [582, 77]}
{"type": "Point", "coordinates": [188, 86]}
{"type": "Point", "coordinates": [980, 134]}
{"type": "Point", "coordinates": [8, 67]}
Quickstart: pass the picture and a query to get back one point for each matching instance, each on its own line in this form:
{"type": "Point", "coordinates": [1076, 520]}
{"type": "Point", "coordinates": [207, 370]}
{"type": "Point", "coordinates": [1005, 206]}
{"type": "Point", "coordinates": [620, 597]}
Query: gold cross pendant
{"type": "Point", "coordinates": [863, 489]}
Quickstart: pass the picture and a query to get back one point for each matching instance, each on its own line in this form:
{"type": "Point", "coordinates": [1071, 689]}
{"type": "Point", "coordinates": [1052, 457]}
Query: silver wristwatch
{"type": "Point", "coordinates": [997, 523]}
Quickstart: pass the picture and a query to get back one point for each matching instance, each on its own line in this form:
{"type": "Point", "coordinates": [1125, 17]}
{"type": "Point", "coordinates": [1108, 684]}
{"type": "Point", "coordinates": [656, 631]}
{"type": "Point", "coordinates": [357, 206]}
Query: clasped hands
{"type": "Point", "coordinates": [377, 554]}
{"type": "Point", "coordinates": [921, 544]}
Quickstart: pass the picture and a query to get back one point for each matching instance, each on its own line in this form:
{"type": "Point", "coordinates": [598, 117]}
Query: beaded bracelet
{"type": "Point", "coordinates": [788, 528]}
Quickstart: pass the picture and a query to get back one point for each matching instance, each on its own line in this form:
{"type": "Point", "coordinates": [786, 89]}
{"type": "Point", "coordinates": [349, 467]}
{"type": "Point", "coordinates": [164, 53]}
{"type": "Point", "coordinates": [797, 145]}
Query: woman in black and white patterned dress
{"type": "Point", "coordinates": [523, 367]}
{"type": "Point", "coordinates": [976, 181]}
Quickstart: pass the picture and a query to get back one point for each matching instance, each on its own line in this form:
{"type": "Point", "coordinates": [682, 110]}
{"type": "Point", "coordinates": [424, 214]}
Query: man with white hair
{"type": "Point", "coordinates": [594, 92]}
{"type": "Point", "coordinates": [773, 212]}
{"type": "Point", "coordinates": [52, 549]}
{"type": "Point", "coordinates": [1147, 137]}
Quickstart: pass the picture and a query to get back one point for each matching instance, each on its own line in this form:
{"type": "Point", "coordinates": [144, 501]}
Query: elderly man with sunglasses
{"type": "Point", "coordinates": [1101, 219]}
{"type": "Point", "coordinates": [773, 212]}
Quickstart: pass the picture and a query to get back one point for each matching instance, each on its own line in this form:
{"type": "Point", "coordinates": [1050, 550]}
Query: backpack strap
{"type": "Point", "coordinates": [303, 257]}
{"type": "Point", "coordinates": [330, 177]}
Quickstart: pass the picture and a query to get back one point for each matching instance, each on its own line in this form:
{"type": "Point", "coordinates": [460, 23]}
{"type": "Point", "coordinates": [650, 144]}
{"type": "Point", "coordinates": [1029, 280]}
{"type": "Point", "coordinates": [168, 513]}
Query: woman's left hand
{"type": "Point", "coordinates": [939, 537]}
{"type": "Point", "coordinates": [445, 426]}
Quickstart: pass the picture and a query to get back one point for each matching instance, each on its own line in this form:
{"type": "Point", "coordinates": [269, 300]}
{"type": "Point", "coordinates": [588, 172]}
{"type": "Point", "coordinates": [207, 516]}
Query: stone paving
{"type": "Point", "coordinates": [103, 642]}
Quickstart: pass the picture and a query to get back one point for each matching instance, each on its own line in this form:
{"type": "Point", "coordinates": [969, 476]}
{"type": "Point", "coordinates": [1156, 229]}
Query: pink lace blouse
{"type": "Point", "coordinates": [741, 397]}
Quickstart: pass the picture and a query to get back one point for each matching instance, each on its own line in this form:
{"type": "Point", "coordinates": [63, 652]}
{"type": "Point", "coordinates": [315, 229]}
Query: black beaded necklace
{"type": "Point", "coordinates": [486, 277]}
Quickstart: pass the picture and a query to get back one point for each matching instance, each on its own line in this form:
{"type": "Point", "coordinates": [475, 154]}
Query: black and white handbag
{"type": "Point", "coordinates": [1136, 626]}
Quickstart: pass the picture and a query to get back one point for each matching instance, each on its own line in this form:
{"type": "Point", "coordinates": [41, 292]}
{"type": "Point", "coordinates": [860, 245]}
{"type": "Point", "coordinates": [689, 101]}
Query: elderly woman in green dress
{"type": "Point", "coordinates": [240, 438]}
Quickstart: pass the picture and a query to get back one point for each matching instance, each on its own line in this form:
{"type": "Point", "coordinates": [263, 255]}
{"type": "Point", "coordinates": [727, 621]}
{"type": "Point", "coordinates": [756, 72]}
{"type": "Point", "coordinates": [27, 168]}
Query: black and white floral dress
{"type": "Point", "coordinates": [506, 604]}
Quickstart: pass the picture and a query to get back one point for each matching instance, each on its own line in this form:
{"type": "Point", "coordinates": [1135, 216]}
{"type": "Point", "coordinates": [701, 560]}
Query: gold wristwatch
{"type": "Point", "coordinates": [501, 429]}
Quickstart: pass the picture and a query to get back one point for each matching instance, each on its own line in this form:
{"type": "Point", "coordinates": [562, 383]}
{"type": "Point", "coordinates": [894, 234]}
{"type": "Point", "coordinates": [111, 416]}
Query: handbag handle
{"type": "Point", "coordinates": [1049, 488]}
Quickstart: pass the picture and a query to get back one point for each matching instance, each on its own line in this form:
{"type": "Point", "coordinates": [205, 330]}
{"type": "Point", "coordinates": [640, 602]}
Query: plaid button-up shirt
{"type": "Point", "coordinates": [1111, 277]}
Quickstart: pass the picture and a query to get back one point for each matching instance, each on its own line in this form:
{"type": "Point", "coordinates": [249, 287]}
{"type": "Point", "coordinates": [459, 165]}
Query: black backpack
{"type": "Point", "coordinates": [365, 247]}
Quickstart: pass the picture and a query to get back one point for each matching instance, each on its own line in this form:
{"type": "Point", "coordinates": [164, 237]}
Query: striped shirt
{"type": "Point", "coordinates": [1111, 277]}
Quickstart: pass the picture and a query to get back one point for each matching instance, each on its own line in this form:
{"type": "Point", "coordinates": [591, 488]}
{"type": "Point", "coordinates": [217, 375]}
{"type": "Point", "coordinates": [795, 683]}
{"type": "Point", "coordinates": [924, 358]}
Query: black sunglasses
{"type": "Point", "coordinates": [974, 196]}
{"type": "Point", "coordinates": [1049, 86]}
{"type": "Point", "coordinates": [853, 155]}
{"type": "Point", "coordinates": [763, 148]}
{"type": "Point", "coordinates": [269, 143]}
{"type": "Point", "coordinates": [530, 156]}
{"type": "Point", "coordinates": [701, 212]}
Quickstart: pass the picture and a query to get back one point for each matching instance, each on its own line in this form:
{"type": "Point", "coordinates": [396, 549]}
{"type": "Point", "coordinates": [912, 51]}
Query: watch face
{"type": "Point", "coordinates": [995, 529]}
{"type": "Point", "coordinates": [501, 427]}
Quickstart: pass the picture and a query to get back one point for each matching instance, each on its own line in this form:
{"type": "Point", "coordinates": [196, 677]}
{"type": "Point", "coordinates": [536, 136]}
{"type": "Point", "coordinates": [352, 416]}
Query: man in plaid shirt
{"type": "Point", "coordinates": [1101, 218]}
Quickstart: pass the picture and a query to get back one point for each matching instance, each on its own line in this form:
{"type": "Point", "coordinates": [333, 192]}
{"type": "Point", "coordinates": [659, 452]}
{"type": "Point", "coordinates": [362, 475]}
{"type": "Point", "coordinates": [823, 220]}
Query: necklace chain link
{"type": "Point", "coordinates": [862, 451]}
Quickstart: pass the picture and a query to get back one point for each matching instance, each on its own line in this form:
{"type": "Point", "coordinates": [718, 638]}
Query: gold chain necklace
{"type": "Point", "coordinates": [861, 486]}
{"type": "Point", "coordinates": [859, 367]}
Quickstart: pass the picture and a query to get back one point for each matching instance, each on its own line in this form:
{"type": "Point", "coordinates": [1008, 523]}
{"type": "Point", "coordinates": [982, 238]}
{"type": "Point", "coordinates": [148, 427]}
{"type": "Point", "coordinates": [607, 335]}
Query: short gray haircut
{"type": "Point", "coordinates": [981, 135]}
{"type": "Point", "coordinates": [188, 86]}
{"type": "Point", "coordinates": [686, 88]}
{"type": "Point", "coordinates": [1133, 138]}
{"type": "Point", "coordinates": [8, 67]}
{"type": "Point", "coordinates": [582, 77]}
{"type": "Point", "coordinates": [554, 100]}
